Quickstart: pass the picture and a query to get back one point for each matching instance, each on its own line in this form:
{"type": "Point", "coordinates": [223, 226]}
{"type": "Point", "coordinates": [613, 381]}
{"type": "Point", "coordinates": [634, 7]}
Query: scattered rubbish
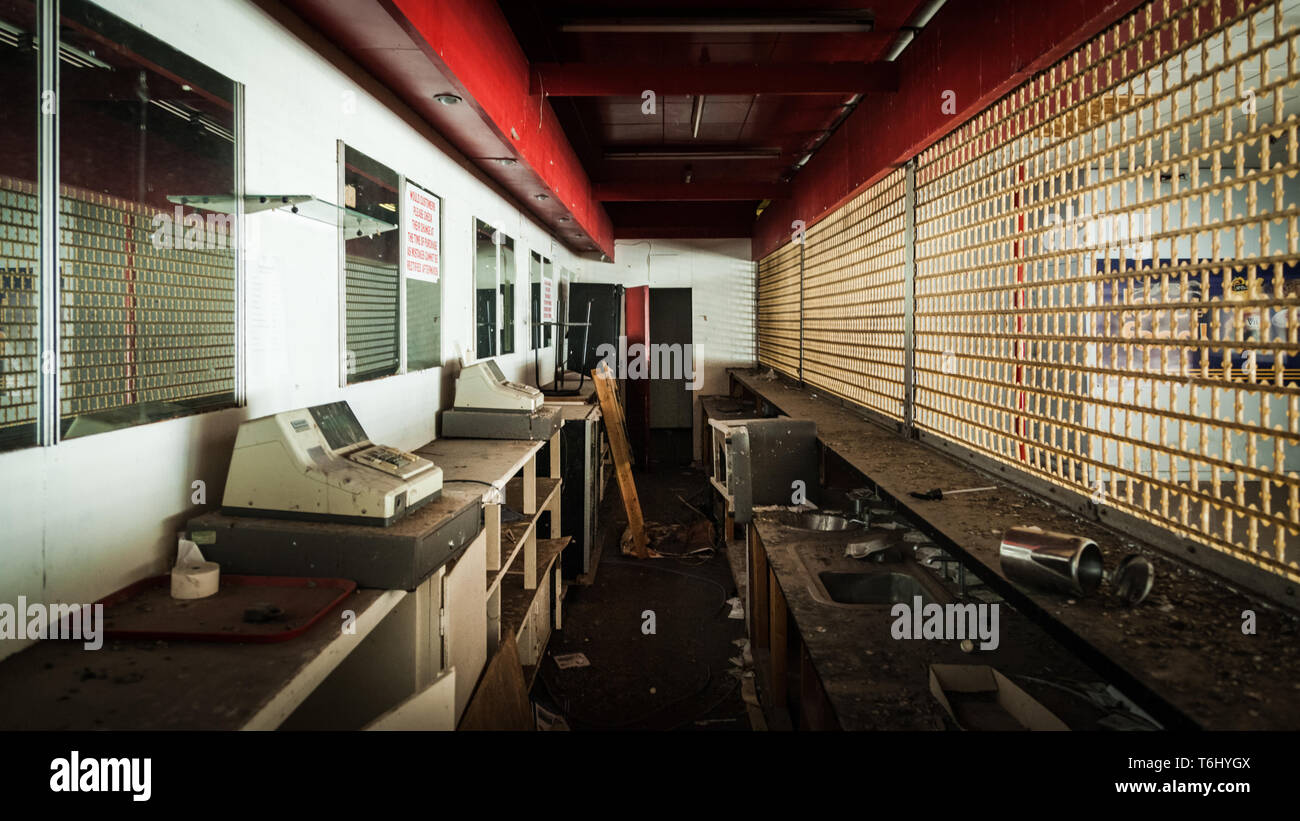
{"type": "Point", "coordinates": [737, 661]}
{"type": "Point", "coordinates": [691, 506]}
{"type": "Point", "coordinates": [262, 612]}
{"type": "Point", "coordinates": [549, 721]}
{"type": "Point", "coordinates": [674, 540]}
{"type": "Point", "coordinates": [927, 555]}
{"type": "Point", "coordinates": [1133, 579]}
{"type": "Point", "coordinates": [1122, 713]}
{"type": "Point", "coordinates": [1124, 722]}
{"type": "Point", "coordinates": [737, 609]}
{"type": "Point", "coordinates": [706, 721]}
{"type": "Point", "coordinates": [1057, 561]}
{"type": "Point", "coordinates": [978, 697]}
{"type": "Point", "coordinates": [567, 660]}
{"type": "Point", "coordinates": [937, 494]}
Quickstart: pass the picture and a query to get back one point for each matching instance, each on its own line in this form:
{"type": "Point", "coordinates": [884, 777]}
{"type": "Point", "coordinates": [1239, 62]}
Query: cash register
{"type": "Point", "coordinates": [488, 406]}
{"type": "Point", "coordinates": [318, 463]}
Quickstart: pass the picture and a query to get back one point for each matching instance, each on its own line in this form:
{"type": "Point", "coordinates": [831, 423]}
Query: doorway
{"type": "Point", "coordinates": [672, 410]}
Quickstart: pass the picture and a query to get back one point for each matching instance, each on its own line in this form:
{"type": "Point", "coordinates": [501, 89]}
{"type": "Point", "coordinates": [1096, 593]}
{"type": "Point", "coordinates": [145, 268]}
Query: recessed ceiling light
{"type": "Point", "coordinates": [447, 99]}
{"type": "Point", "coordinates": [579, 236]}
{"type": "Point", "coordinates": [564, 219]}
{"type": "Point", "coordinates": [508, 162]}
{"type": "Point", "coordinates": [541, 197]}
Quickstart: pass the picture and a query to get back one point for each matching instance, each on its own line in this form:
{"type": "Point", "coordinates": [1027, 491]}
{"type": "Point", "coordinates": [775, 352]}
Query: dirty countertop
{"type": "Point", "coordinates": [1184, 643]}
{"type": "Point", "coordinates": [877, 682]}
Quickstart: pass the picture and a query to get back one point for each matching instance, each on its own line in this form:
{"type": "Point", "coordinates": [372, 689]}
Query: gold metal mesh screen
{"type": "Point", "coordinates": [853, 299]}
{"type": "Point", "coordinates": [778, 310]}
{"type": "Point", "coordinates": [148, 305]}
{"type": "Point", "coordinates": [1107, 290]}
{"type": "Point", "coordinates": [19, 293]}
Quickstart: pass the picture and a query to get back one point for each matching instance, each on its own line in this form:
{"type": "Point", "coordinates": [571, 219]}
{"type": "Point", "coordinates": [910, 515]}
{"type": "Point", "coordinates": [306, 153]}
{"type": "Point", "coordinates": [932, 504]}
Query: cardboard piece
{"type": "Point", "coordinates": [978, 697]}
{"type": "Point", "coordinates": [500, 701]}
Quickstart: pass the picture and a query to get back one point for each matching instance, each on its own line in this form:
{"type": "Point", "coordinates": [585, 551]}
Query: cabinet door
{"type": "Point", "coordinates": [465, 602]}
{"type": "Point", "coordinates": [433, 708]}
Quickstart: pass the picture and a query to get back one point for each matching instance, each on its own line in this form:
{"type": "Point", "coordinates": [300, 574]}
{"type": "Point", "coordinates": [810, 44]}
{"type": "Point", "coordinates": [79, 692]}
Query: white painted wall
{"type": "Point", "coordinates": [722, 282]}
{"type": "Point", "coordinates": [91, 515]}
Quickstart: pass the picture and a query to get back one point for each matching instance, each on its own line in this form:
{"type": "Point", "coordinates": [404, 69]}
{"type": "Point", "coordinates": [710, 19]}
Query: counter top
{"type": "Point", "coordinates": [877, 682]}
{"type": "Point", "coordinates": [1184, 645]}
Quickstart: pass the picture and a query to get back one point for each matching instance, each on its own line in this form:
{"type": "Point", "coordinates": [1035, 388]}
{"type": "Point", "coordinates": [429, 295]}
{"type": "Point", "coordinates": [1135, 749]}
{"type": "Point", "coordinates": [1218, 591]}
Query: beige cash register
{"type": "Point", "coordinates": [318, 463]}
{"type": "Point", "coordinates": [488, 406]}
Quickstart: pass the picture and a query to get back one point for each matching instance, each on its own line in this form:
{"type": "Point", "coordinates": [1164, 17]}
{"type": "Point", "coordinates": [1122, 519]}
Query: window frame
{"type": "Point", "coordinates": [499, 325]}
{"type": "Point", "coordinates": [49, 263]}
{"type": "Point", "coordinates": [403, 303]}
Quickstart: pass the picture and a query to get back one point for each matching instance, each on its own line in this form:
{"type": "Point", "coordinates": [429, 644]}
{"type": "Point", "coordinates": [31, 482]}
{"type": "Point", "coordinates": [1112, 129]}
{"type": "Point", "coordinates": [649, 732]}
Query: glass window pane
{"type": "Point", "coordinates": [371, 268]}
{"type": "Point", "coordinates": [423, 269]}
{"type": "Point", "coordinates": [148, 273]}
{"type": "Point", "coordinates": [507, 295]}
{"type": "Point", "coordinates": [538, 268]}
{"type": "Point", "coordinates": [485, 290]}
{"type": "Point", "coordinates": [19, 266]}
{"type": "Point", "coordinates": [423, 324]}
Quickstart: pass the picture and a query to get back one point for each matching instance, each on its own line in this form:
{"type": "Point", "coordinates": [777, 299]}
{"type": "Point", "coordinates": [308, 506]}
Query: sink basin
{"type": "Point", "coordinates": [819, 520]}
{"type": "Point", "coordinates": [872, 588]}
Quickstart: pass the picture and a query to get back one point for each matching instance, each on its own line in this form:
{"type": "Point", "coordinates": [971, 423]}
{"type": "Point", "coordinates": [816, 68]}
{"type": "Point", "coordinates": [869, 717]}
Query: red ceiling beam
{"type": "Point", "coordinates": [976, 51]}
{"type": "Point", "coordinates": [422, 48]}
{"type": "Point", "coordinates": [623, 79]}
{"type": "Point", "coordinates": [471, 41]}
{"type": "Point", "coordinates": [692, 191]}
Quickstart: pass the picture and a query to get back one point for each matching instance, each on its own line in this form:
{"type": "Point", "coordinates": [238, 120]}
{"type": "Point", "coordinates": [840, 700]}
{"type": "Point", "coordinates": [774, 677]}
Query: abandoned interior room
{"type": "Point", "coordinates": [708, 366]}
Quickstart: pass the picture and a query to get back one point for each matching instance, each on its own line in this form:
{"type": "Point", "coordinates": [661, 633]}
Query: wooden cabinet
{"type": "Point", "coordinates": [790, 691]}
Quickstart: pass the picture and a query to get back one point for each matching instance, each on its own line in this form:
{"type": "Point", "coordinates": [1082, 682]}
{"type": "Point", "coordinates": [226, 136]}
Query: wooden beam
{"type": "Point", "coordinates": [603, 378]}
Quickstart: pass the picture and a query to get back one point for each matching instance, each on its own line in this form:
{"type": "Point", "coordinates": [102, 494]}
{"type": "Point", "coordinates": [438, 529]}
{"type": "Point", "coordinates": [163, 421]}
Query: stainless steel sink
{"type": "Point", "coordinates": [872, 588]}
{"type": "Point", "coordinates": [820, 520]}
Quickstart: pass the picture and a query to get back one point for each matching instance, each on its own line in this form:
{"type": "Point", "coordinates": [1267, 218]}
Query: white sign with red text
{"type": "Point", "coordinates": [422, 258]}
{"type": "Point", "coordinates": [548, 299]}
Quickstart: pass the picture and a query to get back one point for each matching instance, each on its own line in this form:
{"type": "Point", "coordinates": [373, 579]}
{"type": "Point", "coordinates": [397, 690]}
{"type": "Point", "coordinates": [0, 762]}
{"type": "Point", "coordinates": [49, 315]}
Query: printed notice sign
{"type": "Point", "coordinates": [423, 256]}
{"type": "Point", "coordinates": [548, 299]}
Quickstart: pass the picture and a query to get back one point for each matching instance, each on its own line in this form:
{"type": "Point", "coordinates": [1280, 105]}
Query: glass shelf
{"type": "Point", "coordinates": [354, 222]}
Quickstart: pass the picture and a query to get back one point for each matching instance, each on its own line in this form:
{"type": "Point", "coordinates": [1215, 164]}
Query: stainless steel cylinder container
{"type": "Point", "coordinates": [1054, 561]}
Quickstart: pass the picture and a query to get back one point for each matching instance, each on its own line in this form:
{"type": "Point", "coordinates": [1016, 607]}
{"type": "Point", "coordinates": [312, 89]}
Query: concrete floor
{"type": "Point", "coordinates": [674, 679]}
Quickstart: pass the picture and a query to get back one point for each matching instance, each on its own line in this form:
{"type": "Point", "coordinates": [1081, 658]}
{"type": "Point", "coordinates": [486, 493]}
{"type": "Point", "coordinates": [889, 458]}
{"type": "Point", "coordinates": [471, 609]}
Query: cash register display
{"type": "Point", "coordinates": [339, 425]}
{"type": "Point", "coordinates": [501, 379]}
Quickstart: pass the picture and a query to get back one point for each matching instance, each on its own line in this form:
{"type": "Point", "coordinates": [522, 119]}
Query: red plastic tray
{"type": "Point", "coordinates": [146, 610]}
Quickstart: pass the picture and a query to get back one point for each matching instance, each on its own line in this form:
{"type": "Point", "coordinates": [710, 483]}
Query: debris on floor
{"type": "Point", "coordinates": [568, 660]}
{"type": "Point", "coordinates": [737, 609]}
{"type": "Point", "coordinates": [672, 540]}
{"type": "Point", "coordinates": [549, 721]}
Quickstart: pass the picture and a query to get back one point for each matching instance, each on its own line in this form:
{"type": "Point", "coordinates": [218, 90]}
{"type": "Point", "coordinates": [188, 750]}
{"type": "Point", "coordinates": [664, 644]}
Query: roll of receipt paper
{"type": "Point", "coordinates": [192, 577]}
